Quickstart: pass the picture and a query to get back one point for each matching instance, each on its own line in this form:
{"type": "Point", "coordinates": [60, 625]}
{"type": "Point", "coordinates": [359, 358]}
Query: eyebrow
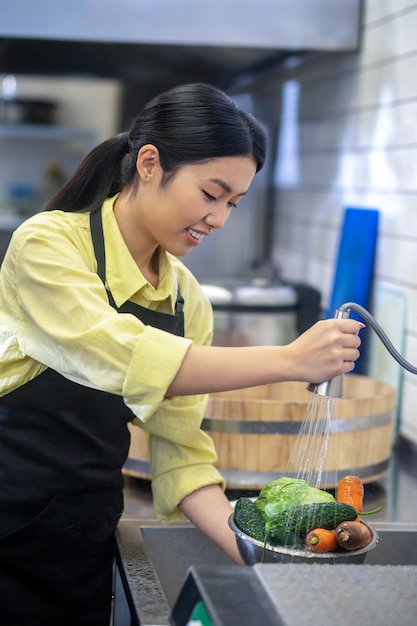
{"type": "Point", "coordinates": [224, 185]}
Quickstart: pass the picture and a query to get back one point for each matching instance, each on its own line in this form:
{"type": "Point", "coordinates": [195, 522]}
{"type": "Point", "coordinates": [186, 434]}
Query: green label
{"type": "Point", "coordinates": [200, 616]}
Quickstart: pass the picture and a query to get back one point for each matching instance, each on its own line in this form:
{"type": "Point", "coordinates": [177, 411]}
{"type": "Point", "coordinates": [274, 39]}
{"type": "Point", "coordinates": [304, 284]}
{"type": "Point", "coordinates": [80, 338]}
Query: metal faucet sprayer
{"type": "Point", "coordinates": [334, 388]}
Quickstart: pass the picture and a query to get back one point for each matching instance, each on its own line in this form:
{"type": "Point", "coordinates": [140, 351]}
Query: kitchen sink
{"type": "Point", "coordinates": [173, 549]}
{"type": "Point", "coordinates": [156, 559]}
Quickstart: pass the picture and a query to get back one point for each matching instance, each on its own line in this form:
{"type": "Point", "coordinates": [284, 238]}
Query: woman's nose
{"type": "Point", "coordinates": [218, 218]}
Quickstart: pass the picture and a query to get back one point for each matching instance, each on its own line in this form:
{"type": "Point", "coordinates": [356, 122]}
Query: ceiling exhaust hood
{"type": "Point", "coordinates": [162, 40]}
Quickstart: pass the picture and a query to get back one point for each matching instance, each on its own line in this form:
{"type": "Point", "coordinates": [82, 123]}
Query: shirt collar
{"type": "Point", "coordinates": [124, 278]}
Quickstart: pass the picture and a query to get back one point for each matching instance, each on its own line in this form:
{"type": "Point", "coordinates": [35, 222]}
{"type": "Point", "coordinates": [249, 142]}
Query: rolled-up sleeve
{"type": "Point", "coordinates": [153, 360]}
{"type": "Point", "coordinates": [181, 454]}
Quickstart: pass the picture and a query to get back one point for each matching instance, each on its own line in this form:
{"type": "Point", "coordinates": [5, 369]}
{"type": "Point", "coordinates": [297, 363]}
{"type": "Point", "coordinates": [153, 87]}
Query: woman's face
{"type": "Point", "coordinates": [197, 200]}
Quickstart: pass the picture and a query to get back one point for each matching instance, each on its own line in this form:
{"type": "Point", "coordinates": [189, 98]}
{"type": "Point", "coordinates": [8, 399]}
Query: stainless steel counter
{"type": "Point", "coordinates": [139, 597]}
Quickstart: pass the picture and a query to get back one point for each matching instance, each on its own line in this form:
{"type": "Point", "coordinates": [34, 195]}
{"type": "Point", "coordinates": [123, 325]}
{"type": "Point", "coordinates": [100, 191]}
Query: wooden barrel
{"type": "Point", "coordinates": [256, 430]}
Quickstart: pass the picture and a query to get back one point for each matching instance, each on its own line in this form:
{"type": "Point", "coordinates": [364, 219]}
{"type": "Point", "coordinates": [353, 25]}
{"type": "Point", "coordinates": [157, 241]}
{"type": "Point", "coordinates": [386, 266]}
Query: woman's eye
{"type": "Point", "coordinates": [209, 196]}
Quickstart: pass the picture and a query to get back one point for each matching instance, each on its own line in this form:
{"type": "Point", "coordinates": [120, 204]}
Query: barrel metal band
{"type": "Point", "coordinates": [257, 427]}
{"type": "Point", "coordinates": [243, 479]}
{"type": "Point", "coordinates": [246, 479]}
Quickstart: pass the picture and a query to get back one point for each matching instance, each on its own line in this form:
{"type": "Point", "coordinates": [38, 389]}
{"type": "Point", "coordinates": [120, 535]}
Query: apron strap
{"type": "Point", "coordinates": [97, 236]}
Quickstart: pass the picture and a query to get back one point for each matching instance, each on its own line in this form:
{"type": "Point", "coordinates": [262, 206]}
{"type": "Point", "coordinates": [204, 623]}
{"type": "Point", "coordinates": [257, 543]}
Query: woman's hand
{"type": "Point", "coordinates": [327, 349]}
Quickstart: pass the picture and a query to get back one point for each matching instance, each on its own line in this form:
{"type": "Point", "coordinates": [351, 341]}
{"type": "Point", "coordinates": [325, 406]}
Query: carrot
{"type": "Point", "coordinates": [321, 540]}
{"type": "Point", "coordinates": [353, 535]}
{"type": "Point", "coordinates": [350, 490]}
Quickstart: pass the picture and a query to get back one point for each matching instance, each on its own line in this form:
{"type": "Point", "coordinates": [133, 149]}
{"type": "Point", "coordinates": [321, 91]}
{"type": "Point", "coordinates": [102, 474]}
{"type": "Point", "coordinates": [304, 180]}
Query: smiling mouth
{"type": "Point", "coordinates": [195, 234]}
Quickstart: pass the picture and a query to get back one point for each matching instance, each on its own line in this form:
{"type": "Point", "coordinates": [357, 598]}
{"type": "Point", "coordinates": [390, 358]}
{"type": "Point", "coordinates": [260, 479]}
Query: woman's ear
{"type": "Point", "coordinates": [147, 162]}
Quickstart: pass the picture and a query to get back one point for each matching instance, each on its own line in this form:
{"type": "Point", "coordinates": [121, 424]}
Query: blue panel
{"type": "Point", "coordinates": [355, 260]}
{"type": "Point", "coordinates": [355, 268]}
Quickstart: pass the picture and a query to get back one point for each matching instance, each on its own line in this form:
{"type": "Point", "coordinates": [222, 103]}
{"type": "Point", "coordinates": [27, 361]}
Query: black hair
{"type": "Point", "coordinates": [188, 124]}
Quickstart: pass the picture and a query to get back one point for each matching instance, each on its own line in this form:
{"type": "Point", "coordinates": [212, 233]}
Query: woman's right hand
{"type": "Point", "coordinates": [325, 350]}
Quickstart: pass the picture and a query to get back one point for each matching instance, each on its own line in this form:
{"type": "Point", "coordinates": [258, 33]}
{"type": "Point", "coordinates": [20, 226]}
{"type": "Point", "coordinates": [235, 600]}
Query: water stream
{"type": "Point", "coordinates": [308, 456]}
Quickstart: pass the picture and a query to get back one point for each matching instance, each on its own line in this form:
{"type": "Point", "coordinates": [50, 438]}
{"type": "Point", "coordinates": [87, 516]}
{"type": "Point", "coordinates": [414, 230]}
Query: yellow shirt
{"type": "Point", "coordinates": [54, 313]}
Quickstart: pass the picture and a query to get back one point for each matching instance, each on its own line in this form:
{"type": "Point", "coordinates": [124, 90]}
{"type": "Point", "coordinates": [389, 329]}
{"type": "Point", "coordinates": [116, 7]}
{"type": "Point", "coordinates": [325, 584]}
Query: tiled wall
{"type": "Point", "coordinates": [350, 131]}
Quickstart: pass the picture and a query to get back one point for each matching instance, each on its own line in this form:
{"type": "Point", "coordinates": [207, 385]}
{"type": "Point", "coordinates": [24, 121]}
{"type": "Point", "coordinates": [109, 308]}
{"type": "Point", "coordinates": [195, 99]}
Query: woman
{"type": "Point", "coordinates": [102, 325]}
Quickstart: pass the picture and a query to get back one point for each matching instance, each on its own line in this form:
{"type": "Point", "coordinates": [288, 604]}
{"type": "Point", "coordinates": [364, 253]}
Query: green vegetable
{"type": "Point", "coordinates": [291, 526]}
{"type": "Point", "coordinates": [248, 518]}
{"type": "Point", "coordinates": [283, 493]}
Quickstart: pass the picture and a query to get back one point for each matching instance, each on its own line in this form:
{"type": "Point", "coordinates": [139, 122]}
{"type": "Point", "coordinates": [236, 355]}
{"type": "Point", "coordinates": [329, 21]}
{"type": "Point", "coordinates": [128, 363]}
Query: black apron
{"type": "Point", "coordinates": [62, 447]}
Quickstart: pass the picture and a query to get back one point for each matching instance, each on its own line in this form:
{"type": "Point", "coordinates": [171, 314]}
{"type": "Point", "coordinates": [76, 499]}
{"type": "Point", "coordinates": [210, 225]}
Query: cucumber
{"type": "Point", "coordinates": [248, 519]}
{"type": "Point", "coordinates": [292, 525]}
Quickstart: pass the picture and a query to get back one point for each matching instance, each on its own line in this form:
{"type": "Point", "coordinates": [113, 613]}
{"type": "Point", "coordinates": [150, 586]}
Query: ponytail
{"type": "Point", "coordinates": [98, 177]}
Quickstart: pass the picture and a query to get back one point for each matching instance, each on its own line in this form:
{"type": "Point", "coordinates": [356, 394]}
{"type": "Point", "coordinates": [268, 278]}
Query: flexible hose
{"type": "Point", "coordinates": [381, 334]}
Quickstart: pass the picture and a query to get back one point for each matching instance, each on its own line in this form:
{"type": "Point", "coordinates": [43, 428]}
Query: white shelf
{"type": "Point", "coordinates": [25, 151]}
